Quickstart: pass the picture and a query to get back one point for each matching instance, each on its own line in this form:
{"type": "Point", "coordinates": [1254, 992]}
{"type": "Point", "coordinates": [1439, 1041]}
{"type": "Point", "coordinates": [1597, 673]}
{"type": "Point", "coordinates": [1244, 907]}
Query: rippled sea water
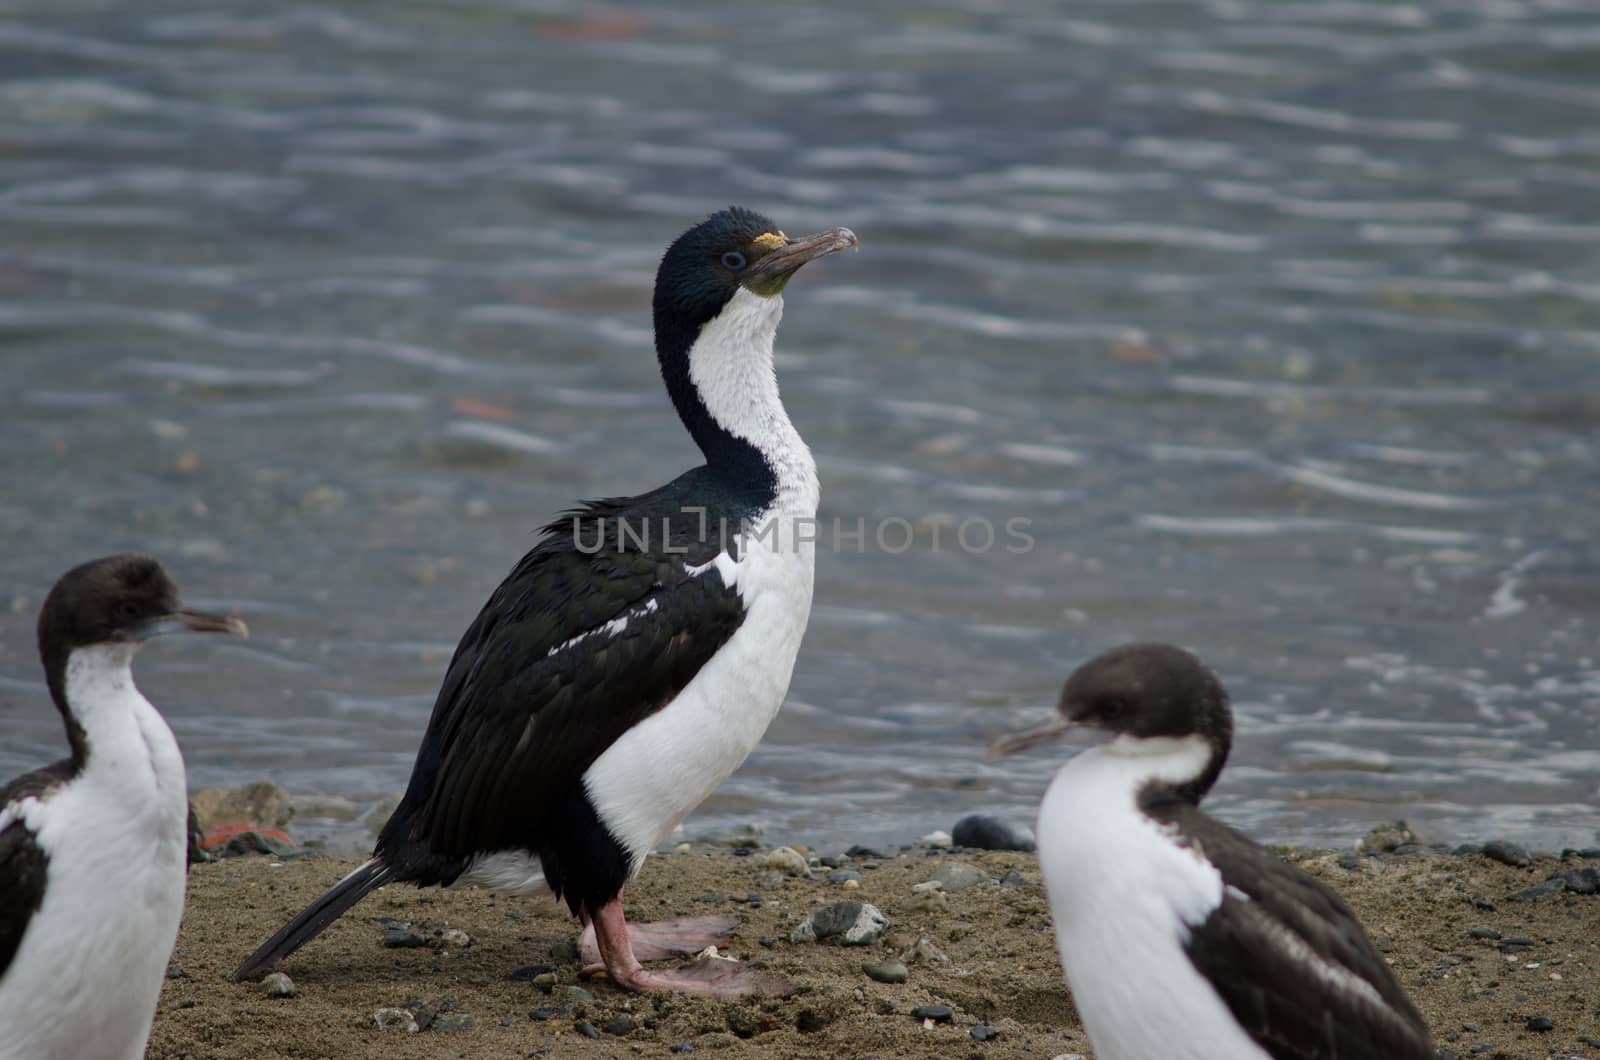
{"type": "Point", "coordinates": [1275, 324]}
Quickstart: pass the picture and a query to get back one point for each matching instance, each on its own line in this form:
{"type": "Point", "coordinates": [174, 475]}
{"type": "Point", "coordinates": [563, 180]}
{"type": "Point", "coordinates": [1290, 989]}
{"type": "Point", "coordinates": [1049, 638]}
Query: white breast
{"type": "Point", "coordinates": [85, 980]}
{"type": "Point", "coordinates": [665, 766]}
{"type": "Point", "coordinates": [1121, 893]}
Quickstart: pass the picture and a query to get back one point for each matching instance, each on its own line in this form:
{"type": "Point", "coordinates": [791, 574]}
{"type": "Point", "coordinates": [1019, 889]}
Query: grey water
{"type": "Point", "coordinates": [1271, 329]}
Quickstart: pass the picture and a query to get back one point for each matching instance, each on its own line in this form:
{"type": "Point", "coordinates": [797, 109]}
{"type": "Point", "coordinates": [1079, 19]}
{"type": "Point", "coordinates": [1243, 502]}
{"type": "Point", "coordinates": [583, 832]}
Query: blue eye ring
{"type": "Point", "coordinates": [733, 261]}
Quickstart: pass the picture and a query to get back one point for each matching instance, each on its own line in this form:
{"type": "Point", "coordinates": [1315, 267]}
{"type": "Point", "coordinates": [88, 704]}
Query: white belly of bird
{"type": "Point", "coordinates": [1121, 891]}
{"type": "Point", "coordinates": [85, 980]}
{"type": "Point", "coordinates": [658, 771]}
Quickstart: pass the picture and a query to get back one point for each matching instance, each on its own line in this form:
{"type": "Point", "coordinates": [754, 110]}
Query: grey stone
{"type": "Point", "coordinates": [545, 1013]}
{"type": "Point", "coordinates": [526, 973]}
{"type": "Point", "coordinates": [262, 803]}
{"type": "Point", "coordinates": [585, 1028]}
{"type": "Point", "coordinates": [1507, 853]}
{"type": "Point", "coordinates": [452, 1023]}
{"type": "Point", "coordinates": [398, 938]}
{"type": "Point", "coordinates": [788, 861]}
{"type": "Point", "coordinates": [1580, 881]}
{"type": "Point", "coordinates": [983, 1032]}
{"type": "Point", "coordinates": [844, 876]}
{"type": "Point", "coordinates": [1554, 885]}
{"type": "Point", "coordinates": [396, 1019]}
{"type": "Point", "coordinates": [936, 1013]}
{"type": "Point", "coordinates": [991, 833]}
{"type": "Point", "coordinates": [886, 971]}
{"type": "Point", "coordinates": [620, 1025]}
{"type": "Point", "coordinates": [957, 875]}
{"type": "Point", "coordinates": [277, 985]}
{"type": "Point", "coordinates": [851, 923]}
{"type": "Point", "coordinates": [579, 996]}
{"type": "Point", "coordinates": [1484, 933]}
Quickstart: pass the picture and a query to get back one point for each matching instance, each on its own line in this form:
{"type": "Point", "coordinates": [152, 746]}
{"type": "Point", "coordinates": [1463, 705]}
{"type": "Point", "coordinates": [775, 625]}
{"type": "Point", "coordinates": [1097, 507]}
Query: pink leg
{"type": "Point", "coordinates": [709, 975]}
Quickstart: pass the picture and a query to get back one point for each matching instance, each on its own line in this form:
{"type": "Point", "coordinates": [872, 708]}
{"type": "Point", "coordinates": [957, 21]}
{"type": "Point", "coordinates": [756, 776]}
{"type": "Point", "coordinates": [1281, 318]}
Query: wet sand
{"type": "Point", "coordinates": [1000, 971]}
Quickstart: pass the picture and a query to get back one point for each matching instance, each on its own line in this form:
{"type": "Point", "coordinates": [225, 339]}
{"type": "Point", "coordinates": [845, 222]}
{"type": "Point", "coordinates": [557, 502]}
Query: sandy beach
{"type": "Point", "coordinates": [1486, 971]}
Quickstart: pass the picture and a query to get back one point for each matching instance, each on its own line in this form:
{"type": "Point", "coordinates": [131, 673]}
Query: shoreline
{"type": "Point", "coordinates": [1485, 968]}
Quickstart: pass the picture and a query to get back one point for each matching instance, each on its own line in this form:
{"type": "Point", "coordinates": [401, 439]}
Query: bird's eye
{"type": "Point", "coordinates": [1111, 709]}
{"type": "Point", "coordinates": [733, 261]}
{"type": "Point", "coordinates": [128, 610]}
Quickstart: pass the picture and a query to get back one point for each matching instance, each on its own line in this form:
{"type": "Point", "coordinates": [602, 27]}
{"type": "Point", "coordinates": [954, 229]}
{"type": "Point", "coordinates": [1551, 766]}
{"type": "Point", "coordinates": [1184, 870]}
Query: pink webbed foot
{"type": "Point", "coordinates": [613, 940]}
{"type": "Point", "coordinates": [664, 939]}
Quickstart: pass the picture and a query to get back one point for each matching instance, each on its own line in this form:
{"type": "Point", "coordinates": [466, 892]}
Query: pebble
{"type": "Point", "coordinates": [1483, 932]}
{"type": "Point", "coordinates": [681, 1047]}
{"type": "Point", "coordinates": [1385, 838]}
{"type": "Point", "coordinates": [991, 833]}
{"type": "Point", "coordinates": [886, 971]}
{"type": "Point", "coordinates": [277, 985]}
{"type": "Point", "coordinates": [585, 1028]}
{"type": "Point", "coordinates": [175, 971]}
{"type": "Point", "coordinates": [545, 1013]}
{"type": "Point", "coordinates": [1507, 853]}
{"type": "Point", "coordinates": [395, 1019]}
{"type": "Point", "coordinates": [396, 938]}
{"type": "Point", "coordinates": [577, 995]}
{"type": "Point", "coordinates": [455, 937]}
{"type": "Point", "coordinates": [852, 923]}
{"type": "Point", "coordinates": [983, 1032]}
{"type": "Point", "coordinates": [923, 950]}
{"type": "Point", "coordinates": [620, 1025]}
{"type": "Point", "coordinates": [936, 1013]}
{"type": "Point", "coordinates": [957, 876]}
{"type": "Point", "coordinates": [453, 1023]}
{"type": "Point", "coordinates": [865, 852]}
{"type": "Point", "coordinates": [845, 876]}
{"type": "Point", "coordinates": [1541, 1023]}
{"type": "Point", "coordinates": [789, 861]}
{"type": "Point", "coordinates": [1580, 881]}
{"type": "Point", "coordinates": [851, 885]}
{"type": "Point", "coordinates": [1554, 885]}
{"type": "Point", "coordinates": [527, 973]}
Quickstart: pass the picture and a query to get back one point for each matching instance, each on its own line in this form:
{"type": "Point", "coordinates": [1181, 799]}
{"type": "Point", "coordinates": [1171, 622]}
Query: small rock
{"type": "Point", "coordinates": [1554, 885]}
{"type": "Point", "coordinates": [397, 938]}
{"type": "Point", "coordinates": [577, 995]}
{"type": "Point", "coordinates": [851, 885]}
{"type": "Point", "coordinates": [1385, 838]}
{"type": "Point", "coordinates": [546, 981]}
{"type": "Point", "coordinates": [957, 876]}
{"type": "Point", "coordinates": [620, 1025]}
{"type": "Point", "coordinates": [845, 876]}
{"type": "Point", "coordinates": [175, 971]}
{"type": "Point", "coordinates": [852, 923]}
{"type": "Point", "coordinates": [1467, 848]}
{"type": "Point", "coordinates": [1507, 853]}
{"type": "Point", "coordinates": [789, 861]}
{"type": "Point", "coordinates": [585, 1028]}
{"type": "Point", "coordinates": [923, 950]}
{"type": "Point", "coordinates": [936, 839]}
{"type": "Point", "coordinates": [1348, 861]}
{"type": "Point", "coordinates": [1012, 879]}
{"type": "Point", "coordinates": [454, 938]}
{"type": "Point", "coordinates": [1541, 1023]}
{"type": "Point", "coordinates": [681, 1047]}
{"type": "Point", "coordinates": [983, 1032]}
{"type": "Point", "coordinates": [1480, 902]}
{"type": "Point", "coordinates": [1483, 933]}
{"type": "Point", "coordinates": [395, 1019]}
{"type": "Point", "coordinates": [991, 833]}
{"type": "Point", "coordinates": [1580, 881]}
{"type": "Point", "coordinates": [258, 841]}
{"type": "Point", "coordinates": [936, 1013]}
{"type": "Point", "coordinates": [886, 971]}
{"type": "Point", "coordinates": [277, 985]}
{"type": "Point", "coordinates": [262, 803]}
{"type": "Point", "coordinates": [545, 1013]}
{"type": "Point", "coordinates": [527, 973]}
{"type": "Point", "coordinates": [452, 1023]}
{"type": "Point", "coordinates": [864, 852]}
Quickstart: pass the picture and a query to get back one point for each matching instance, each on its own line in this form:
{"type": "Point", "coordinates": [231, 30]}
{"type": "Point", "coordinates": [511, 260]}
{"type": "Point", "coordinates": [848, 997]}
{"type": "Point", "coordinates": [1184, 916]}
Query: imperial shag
{"type": "Point", "coordinates": [93, 848]}
{"type": "Point", "coordinates": [1180, 937]}
{"type": "Point", "coordinates": [631, 661]}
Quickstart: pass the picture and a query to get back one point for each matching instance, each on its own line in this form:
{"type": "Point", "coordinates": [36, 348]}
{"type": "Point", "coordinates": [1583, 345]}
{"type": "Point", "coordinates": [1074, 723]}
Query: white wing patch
{"type": "Point", "coordinates": [722, 563]}
{"type": "Point", "coordinates": [610, 629]}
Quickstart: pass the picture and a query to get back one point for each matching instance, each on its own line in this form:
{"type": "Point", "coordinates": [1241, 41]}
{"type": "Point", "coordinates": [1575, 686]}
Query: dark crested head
{"type": "Point", "coordinates": [125, 598]}
{"type": "Point", "coordinates": [733, 249]}
{"type": "Point", "coordinates": [1145, 691]}
{"type": "Point", "coordinates": [1150, 700]}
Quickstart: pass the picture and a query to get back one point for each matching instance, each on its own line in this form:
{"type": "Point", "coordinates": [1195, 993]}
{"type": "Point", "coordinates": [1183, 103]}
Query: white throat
{"type": "Point", "coordinates": [731, 365]}
{"type": "Point", "coordinates": [1137, 762]}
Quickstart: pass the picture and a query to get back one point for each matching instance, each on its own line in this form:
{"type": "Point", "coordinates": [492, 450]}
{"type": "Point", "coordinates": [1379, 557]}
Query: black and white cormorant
{"type": "Point", "coordinates": [93, 848]}
{"type": "Point", "coordinates": [635, 656]}
{"type": "Point", "coordinates": [1180, 937]}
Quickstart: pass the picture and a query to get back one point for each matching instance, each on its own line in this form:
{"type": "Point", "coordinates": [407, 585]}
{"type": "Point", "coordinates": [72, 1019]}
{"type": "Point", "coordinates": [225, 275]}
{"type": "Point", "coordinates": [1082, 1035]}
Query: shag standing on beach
{"type": "Point", "coordinates": [93, 849]}
{"type": "Point", "coordinates": [1180, 937]}
{"type": "Point", "coordinates": [631, 661]}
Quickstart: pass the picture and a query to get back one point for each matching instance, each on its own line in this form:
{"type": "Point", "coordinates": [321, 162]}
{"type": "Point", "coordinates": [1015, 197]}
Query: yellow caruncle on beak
{"type": "Point", "coordinates": [770, 240]}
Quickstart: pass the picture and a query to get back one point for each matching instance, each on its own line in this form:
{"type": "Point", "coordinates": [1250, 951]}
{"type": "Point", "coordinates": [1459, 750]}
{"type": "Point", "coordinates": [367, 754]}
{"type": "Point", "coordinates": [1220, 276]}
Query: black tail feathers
{"type": "Point", "coordinates": [310, 921]}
